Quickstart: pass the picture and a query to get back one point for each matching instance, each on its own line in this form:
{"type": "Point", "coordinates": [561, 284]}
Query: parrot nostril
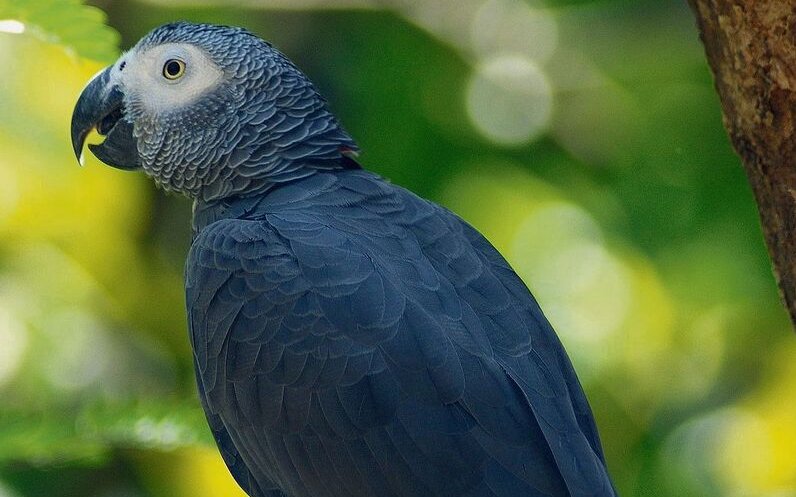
{"type": "Point", "coordinates": [108, 122]}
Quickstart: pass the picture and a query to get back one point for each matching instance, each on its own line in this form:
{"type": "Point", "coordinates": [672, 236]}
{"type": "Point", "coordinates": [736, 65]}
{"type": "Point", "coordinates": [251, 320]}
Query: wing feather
{"type": "Point", "coordinates": [353, 339]}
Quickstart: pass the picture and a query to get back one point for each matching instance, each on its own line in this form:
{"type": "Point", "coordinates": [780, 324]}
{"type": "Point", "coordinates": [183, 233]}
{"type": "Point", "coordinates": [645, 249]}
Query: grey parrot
{"type": "Point", "coordinates": [350, 338]}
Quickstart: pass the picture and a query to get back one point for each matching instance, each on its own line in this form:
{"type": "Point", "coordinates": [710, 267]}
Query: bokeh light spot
{"type": "Point", "coordinates": [512, 26]}
{"type": "Point", "coordinates": [81, 352]}
{"type": "Point", "coordinates": [687, 452]}
{"type": "Point", "coordinates": [769, 436]}
{"type": "Point", "coordinates": [164, 433]}
{"type": "Point", "coordinates": [447, 20]}
{"type": "Point", "coordinates": [509, 100]}
{"type": "Point", "coordinates": [583, 288]}
{"type": "Point", "coordinates": [14, 342]}
{"type": "Point", "coordinates": [745, 433]}
{"type": "Point", "coordinates": [11, 26]}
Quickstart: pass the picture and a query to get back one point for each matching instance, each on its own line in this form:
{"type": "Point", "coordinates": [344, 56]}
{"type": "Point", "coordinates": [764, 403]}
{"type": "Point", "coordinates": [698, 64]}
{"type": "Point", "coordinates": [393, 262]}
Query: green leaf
{"type": "Point", "coordinates": [57, 434]}
{"type": "Point", "coordinates": [78, 28]}
{"type": "Point", "coordinates": [43, 437]}
{"type": "Point", "coordinates": [147, 424]}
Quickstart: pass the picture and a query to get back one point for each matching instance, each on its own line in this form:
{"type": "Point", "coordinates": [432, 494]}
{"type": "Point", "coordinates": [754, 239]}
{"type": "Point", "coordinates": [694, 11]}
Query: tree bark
{"type": "Point", "coordinates": [751, 48]}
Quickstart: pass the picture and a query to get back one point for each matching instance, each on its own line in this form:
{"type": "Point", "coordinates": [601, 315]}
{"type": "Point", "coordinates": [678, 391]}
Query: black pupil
{"type": "Point", "coordinates": [172, 68]}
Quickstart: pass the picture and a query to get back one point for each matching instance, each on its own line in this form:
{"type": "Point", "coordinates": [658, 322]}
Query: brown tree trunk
{"type": "Point", "coordinates": [751, 48]}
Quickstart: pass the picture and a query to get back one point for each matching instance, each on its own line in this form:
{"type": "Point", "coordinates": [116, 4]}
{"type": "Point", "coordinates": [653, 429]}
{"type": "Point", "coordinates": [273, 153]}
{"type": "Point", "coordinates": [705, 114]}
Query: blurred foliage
{"type": "Point", "coordinates": [582, 137]}
{"type": "Point", "coordinates": [67, 23]}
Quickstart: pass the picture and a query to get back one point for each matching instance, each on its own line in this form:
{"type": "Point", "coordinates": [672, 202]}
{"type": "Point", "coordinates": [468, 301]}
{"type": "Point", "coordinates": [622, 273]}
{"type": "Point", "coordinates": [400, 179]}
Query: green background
{"type": "Point", "coordinates": [583, 138]}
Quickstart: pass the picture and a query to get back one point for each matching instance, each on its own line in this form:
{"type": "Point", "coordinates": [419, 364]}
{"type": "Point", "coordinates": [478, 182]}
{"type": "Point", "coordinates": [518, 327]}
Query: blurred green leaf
{"type": "Point", "coordinates": [58, 434]}
{"type": "Point", "coordinates": [147, 424]}
{"type": "Point", "coordinates": [69, 23]}
{"type": "Point", "coordinates": [44, 437]}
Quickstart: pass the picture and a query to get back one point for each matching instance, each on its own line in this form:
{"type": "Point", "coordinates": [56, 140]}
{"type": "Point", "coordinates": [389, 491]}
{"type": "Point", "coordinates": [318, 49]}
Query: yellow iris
{"type": "Point", "coordinates": [173, 69]}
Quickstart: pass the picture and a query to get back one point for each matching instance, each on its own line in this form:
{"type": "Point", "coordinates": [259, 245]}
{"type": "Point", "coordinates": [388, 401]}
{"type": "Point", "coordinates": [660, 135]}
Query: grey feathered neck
{"type": "Point", "coordinates": [265, 124]}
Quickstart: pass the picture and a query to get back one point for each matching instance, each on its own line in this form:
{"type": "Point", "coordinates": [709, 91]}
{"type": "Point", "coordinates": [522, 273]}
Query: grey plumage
{"type": "Point", "coordinates": [349, 337]}
{"type": "Point", "coordinates": [241, 152]}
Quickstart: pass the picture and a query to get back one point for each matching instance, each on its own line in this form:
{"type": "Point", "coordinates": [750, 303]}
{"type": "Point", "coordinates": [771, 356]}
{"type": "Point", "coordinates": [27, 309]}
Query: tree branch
{"type": "Point", "coordinates": [751, 48]}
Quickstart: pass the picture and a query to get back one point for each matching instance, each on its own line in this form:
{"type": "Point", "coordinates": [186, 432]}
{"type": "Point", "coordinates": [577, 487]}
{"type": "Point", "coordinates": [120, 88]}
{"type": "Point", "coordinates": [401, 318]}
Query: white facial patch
{"type": "Point", "coordinates": [143, 76]}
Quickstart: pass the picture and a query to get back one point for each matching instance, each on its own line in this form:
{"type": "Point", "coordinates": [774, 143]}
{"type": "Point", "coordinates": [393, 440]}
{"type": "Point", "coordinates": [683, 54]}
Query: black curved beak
{"type": "Point", "coordinates": [101, 106]}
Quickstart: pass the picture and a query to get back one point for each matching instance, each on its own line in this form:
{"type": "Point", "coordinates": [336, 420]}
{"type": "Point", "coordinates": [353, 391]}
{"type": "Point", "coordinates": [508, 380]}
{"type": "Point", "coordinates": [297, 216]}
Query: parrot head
{"type": "Point", "coordinates": [211, 112]}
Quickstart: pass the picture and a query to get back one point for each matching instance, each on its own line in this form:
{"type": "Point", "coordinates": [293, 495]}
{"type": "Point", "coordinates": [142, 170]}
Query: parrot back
{"type": "Point", "coordinates": [353, 339]}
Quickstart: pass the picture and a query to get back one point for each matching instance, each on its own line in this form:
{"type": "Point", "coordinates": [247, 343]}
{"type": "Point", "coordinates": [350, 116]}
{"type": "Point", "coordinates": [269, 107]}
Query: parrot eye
{"type": "Point", "coordinates": [173, 69]}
